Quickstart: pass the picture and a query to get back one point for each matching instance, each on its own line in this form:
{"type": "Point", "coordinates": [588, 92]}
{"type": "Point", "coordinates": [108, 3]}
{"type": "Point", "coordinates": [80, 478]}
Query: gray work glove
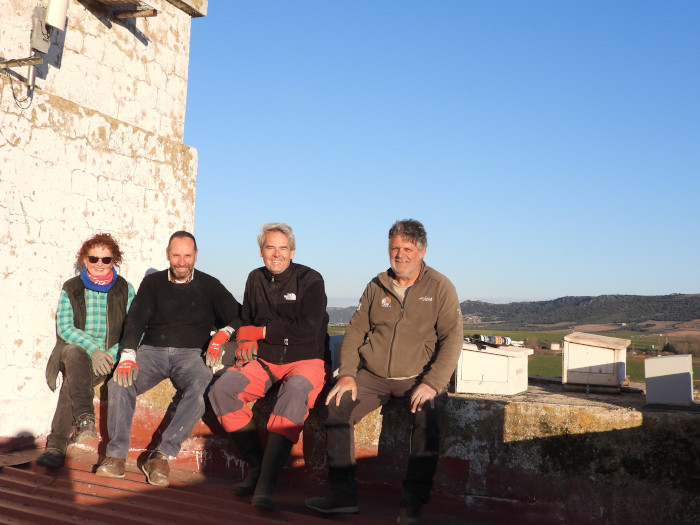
{"type": "Point", "coordinates": [101, 363]}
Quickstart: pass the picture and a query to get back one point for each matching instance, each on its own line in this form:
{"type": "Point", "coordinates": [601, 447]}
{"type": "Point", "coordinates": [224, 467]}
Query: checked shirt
{"type": "Point", "coordinates": [95, 333]}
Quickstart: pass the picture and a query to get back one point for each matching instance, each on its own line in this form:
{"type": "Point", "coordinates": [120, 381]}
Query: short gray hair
{"type": "Point", "coordinates": [412, 231]}
{"type": "Point", "coordinates": [277, 227]}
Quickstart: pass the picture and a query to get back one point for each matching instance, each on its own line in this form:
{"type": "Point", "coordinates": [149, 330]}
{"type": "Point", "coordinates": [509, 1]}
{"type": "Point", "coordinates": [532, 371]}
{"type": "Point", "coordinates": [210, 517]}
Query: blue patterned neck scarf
{"type": "Point", "coordinates": [97, 287]}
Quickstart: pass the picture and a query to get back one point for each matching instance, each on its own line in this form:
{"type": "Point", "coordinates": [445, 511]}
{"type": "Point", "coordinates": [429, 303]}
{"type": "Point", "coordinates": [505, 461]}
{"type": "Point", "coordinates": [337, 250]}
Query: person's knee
{"type": "Point", "coordinates": [298, 387]}
{"type": "Point", "coordinates": [340, 414]}
{"type": "Point", "coordinates": [73, 354]}
{"type": "Point", "coordinates": [198, 378]}
{"type": "Point", "coordinates": [224, 394]}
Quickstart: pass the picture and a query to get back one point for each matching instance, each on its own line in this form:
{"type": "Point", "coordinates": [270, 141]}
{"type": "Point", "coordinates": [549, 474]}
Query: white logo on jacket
{"type": "Point", "coordinates": [386, 302]}
{"type": "Point", "coordinates": [291, 296]}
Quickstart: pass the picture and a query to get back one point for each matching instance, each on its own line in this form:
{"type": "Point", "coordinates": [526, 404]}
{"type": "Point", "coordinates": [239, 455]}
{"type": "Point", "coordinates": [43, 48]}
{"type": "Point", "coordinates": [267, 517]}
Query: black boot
{"type": "Point", "coordinates": [276, 454]}
{"type": "Point", "coordinates": [342, 498]}
{"type": "Point", "coordinates": [249, 446]}
{"type": "Point", "coordinates": [409, 515]}
{"type": "Point", "coordinates": [52, 458]}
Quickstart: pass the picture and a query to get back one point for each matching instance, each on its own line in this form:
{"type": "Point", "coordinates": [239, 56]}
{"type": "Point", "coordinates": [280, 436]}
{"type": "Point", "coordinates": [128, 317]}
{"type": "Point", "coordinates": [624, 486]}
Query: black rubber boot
{"type": "Point", "coordinates": [409, 515]}
{"type": "Point", "coordinates": [342, 498]}
{"type": "Point", "coordinates": [276, 454]}
{"type": "Point", "coordinates": [249, 446]}
{"type": "Point", "coordinates": [52, 458]}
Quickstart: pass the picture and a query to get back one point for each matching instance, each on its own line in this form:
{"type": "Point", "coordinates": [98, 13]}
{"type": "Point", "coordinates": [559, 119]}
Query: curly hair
{"type": "Point", "coordinates": [412, 231]}
{"type": "Point", "coordinates": [100, 239]}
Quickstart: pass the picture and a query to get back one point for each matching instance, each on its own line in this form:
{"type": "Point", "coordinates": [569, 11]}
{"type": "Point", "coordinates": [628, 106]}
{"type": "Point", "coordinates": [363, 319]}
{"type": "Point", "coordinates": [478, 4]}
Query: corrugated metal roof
{"type": "Point", "coordinates": [73, 494]}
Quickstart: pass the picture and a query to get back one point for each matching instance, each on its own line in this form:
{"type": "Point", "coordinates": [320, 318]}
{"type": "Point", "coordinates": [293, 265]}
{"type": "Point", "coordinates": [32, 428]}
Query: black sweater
{"type": "Point", "coordinates": [179, 315]}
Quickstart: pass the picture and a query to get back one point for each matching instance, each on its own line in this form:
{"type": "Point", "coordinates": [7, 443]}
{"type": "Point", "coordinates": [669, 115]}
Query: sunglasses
{"type": "Point", "coordinates": [93, 259]}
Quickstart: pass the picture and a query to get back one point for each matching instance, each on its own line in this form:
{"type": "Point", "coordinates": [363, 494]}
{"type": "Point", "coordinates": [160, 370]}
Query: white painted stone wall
{"type": "Point", "coordinates": [134, 70]}
{"type": "Point", "coordinates": [98, 149]}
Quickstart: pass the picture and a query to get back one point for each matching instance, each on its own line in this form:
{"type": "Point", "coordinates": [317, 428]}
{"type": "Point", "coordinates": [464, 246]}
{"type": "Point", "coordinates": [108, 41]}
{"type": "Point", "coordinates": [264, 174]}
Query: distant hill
{"type": "Point", "coordinates": [603, 309]}
{"type": "Point", "coordinates": [340, 315]}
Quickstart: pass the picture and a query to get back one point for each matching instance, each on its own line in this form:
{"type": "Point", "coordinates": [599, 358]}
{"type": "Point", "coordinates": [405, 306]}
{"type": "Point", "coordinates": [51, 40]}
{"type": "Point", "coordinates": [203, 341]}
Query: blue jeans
{"type": "Point", "coordinates": [190, 376]}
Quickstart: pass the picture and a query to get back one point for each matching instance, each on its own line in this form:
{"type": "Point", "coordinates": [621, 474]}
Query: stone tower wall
{"type": "Point", "coordinates": [97, 147]}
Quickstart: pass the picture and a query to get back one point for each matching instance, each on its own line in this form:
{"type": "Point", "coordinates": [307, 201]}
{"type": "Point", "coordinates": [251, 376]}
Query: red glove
{"type": "Point", "coordinates": [250, 333]}
{"type": "Point", "coordinates": [247, 351]}
{"type": "Point", "coordinates": [214, 350]}
{"type": "Point", "coordinates": [126, 373]}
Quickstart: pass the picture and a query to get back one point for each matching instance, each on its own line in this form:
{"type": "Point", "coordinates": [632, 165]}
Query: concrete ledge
{"type": "Point", "coordinates": [546, 454]}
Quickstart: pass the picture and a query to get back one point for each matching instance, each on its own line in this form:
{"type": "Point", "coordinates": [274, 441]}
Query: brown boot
{"type": "Point", "coordinates": [157, 470]}
{"type": "Point", "coordinates": [84, 429]}
{"type": "Point", "coordinates": [112, 468]}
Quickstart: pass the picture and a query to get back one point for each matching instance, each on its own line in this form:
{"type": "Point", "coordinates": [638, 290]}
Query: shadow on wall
{"type": "Point", "coordinates": [104, 15]}
{"type": "Point", "coordinates": [645, 474]}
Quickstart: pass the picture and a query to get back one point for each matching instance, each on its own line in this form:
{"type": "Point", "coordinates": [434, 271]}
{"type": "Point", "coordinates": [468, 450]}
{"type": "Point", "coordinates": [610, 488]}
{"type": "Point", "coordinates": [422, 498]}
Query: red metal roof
{"type": "Point", "coordinates": [73, 494]}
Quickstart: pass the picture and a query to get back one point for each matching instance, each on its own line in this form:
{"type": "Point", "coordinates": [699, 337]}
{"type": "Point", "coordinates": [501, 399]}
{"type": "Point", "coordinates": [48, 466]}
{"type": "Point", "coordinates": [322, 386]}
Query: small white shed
{"type": "Point", "coordinates": [669, 380]}
{"type": "Point", "coordinates": [594, 360]}
{"type": "Point", "coordinates": [492, 370]}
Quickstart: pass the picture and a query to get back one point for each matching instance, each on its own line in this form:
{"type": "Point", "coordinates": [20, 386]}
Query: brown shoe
{"type": "Point", "coordinates": [157, 470]}
{"type": "Point", "coordinates": [112, 468]}
{"type": "Point", "coordinates": [84, 429]}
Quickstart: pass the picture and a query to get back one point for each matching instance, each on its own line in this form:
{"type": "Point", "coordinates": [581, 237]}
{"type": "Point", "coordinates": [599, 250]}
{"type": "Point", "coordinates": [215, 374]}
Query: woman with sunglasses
{"type": "Point", "coordinates": [90, 316]}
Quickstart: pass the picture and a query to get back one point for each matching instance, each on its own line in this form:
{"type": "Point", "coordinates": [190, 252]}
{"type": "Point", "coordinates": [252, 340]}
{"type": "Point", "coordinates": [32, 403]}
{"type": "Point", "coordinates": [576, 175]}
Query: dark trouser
{"type": "Point", "coordinates": [190, 376]}
{"type": "Point", "coordinates": [373, 392]}
{"type": "Point", "coordinates": [76, 396]}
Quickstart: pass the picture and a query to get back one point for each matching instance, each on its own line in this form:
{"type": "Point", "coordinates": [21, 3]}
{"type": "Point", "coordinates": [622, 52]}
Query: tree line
{"type": "Point", "coordinates": [602, 309]}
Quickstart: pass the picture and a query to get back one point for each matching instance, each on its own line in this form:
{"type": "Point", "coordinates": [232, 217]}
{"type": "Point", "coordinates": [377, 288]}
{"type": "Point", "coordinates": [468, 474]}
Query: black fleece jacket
{"type": "Point", "coordinates": [292, 308]}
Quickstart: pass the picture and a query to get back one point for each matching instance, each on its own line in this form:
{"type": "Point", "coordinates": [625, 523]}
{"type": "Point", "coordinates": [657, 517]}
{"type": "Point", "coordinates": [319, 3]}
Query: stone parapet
{"type": "Point", "coordinates": [547, 455]}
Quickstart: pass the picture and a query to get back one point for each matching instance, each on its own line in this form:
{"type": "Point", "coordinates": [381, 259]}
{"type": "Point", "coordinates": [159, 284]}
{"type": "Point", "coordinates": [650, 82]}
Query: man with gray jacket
{"type": "Point", "coordinates": [403, 341]}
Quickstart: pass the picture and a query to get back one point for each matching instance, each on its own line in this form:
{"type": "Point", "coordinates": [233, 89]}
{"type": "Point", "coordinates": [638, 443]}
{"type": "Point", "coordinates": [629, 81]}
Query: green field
{"type": "Point", "coordinates": [640, 342]}
{"type": "Point", "coordinates": [550, 366]}
{"type": "Point", "coordinates": [544, 365]}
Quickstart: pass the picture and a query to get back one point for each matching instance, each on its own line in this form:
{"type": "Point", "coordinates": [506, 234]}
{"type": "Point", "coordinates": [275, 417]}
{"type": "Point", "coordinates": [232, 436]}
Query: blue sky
{"type": "Point", "coordinates": [550, 148]}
